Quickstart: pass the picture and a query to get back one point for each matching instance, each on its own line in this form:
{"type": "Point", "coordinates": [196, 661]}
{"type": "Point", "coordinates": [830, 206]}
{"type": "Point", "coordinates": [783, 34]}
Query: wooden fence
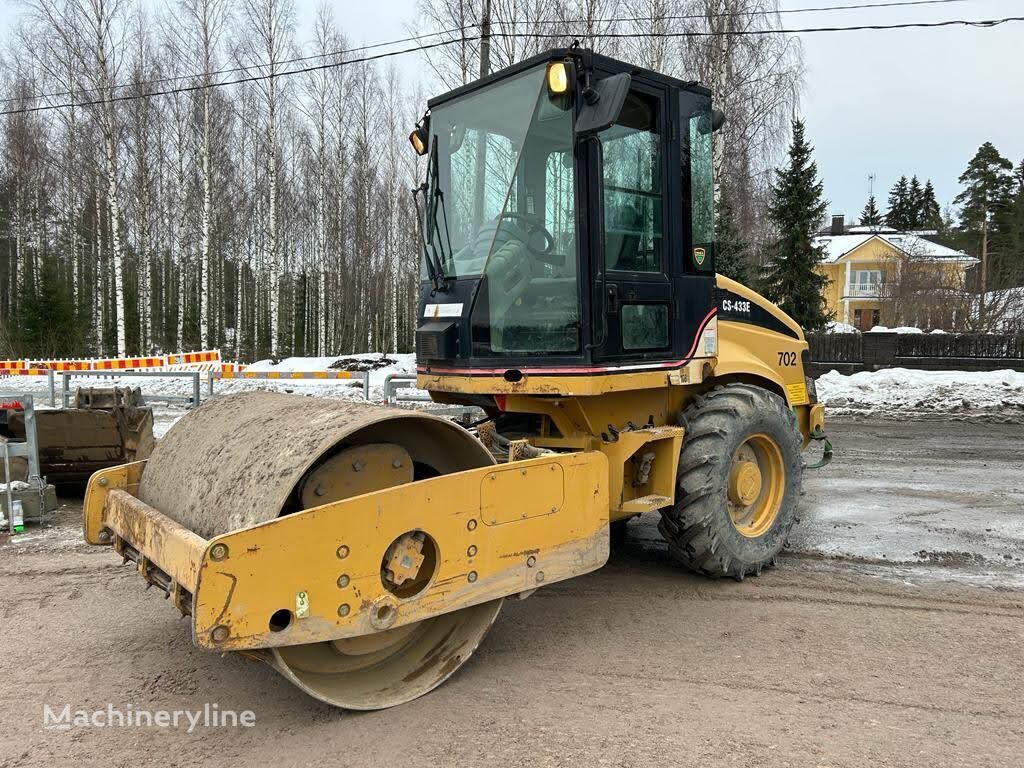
{"type": "Point", "coordinates": [851, 352]}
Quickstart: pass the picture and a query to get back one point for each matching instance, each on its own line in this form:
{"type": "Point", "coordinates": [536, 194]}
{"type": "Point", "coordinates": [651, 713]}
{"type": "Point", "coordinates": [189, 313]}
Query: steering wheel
{"type": "Point", "coordinates": [531, 224]}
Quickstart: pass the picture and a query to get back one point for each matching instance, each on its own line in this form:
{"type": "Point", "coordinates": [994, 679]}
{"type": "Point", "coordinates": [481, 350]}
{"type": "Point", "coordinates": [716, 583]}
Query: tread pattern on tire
{"type": "Point", "coordinates": [697, 527]}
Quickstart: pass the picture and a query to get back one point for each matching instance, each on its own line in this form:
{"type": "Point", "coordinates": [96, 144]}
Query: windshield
{"type": "Point", "coordinates": [501, 205]}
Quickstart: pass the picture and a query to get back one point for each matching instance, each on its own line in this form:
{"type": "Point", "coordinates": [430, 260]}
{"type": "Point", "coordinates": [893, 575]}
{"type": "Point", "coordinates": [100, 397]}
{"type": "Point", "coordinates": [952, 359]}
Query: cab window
{"type": "Point", "coordinates": [631, 187]}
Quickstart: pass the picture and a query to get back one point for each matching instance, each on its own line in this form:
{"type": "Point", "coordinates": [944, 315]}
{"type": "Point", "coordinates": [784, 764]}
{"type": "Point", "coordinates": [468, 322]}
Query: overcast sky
{"type": "Point", "coordinates": [882, 103]}
{"type": "Point", "coordinates": [879, 102]}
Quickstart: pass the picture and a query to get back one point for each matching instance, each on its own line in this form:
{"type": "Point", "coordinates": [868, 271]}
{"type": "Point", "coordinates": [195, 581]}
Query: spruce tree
{"type": "Point", "coordinates": [796, 208]}
{"type": "Point", "coordinates": [730, 248]}
{"type": "Point", "coordinates": [871, 216]}
{"type": "Point", "coordinates": [48, 326]}
{"type": "Point", "coordinates": [915, 204]}
{"type": "Point", "coordinates": [931, 214]}
{"type": "Point", "coordinates": [1008, 236]}
{"type": "Point", "coordinates": [898, 215]}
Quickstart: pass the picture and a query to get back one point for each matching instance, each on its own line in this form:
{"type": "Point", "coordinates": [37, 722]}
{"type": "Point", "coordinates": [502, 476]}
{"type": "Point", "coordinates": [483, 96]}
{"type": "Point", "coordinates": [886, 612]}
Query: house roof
{"type": "Point", "coordinates": [912, 245]}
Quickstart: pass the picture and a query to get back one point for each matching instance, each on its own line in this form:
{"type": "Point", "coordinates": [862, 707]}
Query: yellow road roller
{"type": "Point", "coordinates": [568, 291]}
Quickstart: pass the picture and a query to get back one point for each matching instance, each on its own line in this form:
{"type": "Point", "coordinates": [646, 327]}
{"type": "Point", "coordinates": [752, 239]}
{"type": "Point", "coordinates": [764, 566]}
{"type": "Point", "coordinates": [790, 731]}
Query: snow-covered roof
{"type": "Point", "coordinates": [860, 229]}
{"type": "Point", "coordinates": [914, 246]}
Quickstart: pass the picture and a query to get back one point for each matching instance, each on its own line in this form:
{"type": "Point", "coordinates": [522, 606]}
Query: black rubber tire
{"type": "Point", "coordinates": [698, 529]}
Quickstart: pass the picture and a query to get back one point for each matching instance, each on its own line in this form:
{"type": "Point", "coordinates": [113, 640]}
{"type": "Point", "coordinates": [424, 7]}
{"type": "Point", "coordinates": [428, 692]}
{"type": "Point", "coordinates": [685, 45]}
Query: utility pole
{"type": "Point", "coordinates": [481, 147]}
{"type": "Point", "coordinates": [485, 39]}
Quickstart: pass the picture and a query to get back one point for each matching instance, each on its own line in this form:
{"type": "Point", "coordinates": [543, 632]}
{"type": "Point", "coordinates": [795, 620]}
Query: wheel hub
{"type": "Point", "coordinates": [757, 483]}
{"type": "Point", "coordinates": [744, 483]}
{"type": "Point", "coordinates": [403, 559]}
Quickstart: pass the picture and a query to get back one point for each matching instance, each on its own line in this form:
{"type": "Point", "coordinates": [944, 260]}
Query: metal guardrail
{"type": "Point", "coordinates": [27, 449]}
{"type": "Point", "coordinates": [393, 382]}
{"type": "Point", "coordinates": [4, 372]}
{"type": "Point", "coordinates": [194, 375]}
{"type": "Point", "coordinates": [362, 377]}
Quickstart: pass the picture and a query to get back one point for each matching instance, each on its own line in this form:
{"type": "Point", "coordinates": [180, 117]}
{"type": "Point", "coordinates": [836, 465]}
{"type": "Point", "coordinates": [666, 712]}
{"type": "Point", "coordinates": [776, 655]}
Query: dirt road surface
{"type": "Point", "coordinates": [891, 635]}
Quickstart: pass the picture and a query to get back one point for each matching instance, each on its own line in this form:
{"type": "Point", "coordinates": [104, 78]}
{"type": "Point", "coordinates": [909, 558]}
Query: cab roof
{"type": "Point", "coordinates": [599, 61]}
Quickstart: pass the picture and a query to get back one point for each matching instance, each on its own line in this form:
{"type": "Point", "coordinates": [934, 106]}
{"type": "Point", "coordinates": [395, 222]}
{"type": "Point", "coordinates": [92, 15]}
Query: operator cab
{"type": "Point", "coordinates": [568, 220]}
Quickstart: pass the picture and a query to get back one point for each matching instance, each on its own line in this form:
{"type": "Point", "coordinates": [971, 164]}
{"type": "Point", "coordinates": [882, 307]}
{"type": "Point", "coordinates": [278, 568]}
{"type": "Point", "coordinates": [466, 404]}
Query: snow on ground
{"type": "Point", "coordinates": [837, 327]}
{"type": "Point", "coordinates": [904, 391]}
{"type": "Point", "coordinates": [898, 329]}
{"type": "Point", "coordinates": [379, 364]}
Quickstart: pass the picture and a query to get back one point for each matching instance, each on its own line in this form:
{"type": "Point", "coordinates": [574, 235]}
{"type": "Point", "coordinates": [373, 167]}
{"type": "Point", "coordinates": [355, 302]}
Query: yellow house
{"type": "Point", "coordinates": [877, 273]}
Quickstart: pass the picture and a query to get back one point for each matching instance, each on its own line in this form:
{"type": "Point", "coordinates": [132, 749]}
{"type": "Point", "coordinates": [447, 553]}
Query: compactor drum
{"type": "Point", "coordinates": [243, 460]}
{"type": "Point", "coordinates": [363, 551]}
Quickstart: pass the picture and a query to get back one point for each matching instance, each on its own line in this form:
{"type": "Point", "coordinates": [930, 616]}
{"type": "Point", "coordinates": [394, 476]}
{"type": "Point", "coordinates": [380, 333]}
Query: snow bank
{"type": "Point", "coordinates": [898, 329]}
{"type": "Point", "coordinates": [904, 391]}
{"type": "Point", "coordinates": [837, 327]}
{"type": "Point", "coordinates": [378, 364]}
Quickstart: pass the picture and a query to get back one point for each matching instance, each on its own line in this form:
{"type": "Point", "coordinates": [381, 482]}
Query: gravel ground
{"type": "Point", "coordinates": [889, 635]}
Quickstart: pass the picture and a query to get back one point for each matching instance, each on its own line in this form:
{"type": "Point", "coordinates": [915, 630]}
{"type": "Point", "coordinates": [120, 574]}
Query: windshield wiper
{"type": "Point", "coordinates": [434, 269]}
{"type": "Point", "coordinates": [434, 263]}
{"type": "Point", "coordinates": [436, 197]}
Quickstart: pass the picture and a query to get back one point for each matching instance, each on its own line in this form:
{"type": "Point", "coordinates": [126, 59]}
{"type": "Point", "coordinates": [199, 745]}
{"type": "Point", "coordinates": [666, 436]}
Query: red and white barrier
{"type": "Point", "coordinates": [206, 360]}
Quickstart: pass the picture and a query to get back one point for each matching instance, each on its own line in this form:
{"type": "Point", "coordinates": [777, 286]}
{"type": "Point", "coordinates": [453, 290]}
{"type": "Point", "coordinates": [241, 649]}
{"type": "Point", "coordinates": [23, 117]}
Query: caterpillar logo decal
{"type": "Point", "coordinates": [699, 254]}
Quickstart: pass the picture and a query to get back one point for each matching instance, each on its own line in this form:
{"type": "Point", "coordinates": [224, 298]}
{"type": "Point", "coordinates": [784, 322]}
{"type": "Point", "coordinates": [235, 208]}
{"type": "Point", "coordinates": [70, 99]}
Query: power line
{"type": "Point", "coordinates": [247, 67]}
{"type": "Point", "coordinates": [779, 11]}
{"type": "Point", "coordinates": [239, 81]}
{"type": "Point", "coordinates": [977, 23]}
{"type": "Point", "coordinates": [461, 30]}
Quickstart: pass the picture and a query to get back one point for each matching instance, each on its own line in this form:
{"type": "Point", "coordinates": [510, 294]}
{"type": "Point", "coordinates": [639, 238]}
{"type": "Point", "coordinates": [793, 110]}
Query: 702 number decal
{"type": "Point", "coordinates": [787, 358]}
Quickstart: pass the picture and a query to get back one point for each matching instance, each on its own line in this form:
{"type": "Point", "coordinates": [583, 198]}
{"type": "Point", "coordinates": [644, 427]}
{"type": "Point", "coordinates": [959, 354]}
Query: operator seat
{"type": "Point", "coordinates": [623, 227]}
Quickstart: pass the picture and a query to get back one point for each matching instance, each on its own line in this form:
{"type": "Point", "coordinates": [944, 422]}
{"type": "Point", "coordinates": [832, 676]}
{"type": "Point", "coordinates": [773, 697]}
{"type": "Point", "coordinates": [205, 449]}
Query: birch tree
{"type": "Point", "coordinates": [205, 21]}
{"type": "Point", "coordinates": [269, 29]}
{"type": "Point", "coordinates": [92, 33]}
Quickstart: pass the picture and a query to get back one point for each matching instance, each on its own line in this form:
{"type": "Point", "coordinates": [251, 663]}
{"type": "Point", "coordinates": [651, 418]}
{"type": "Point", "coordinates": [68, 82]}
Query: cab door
{"type": "Point", "coordinates": [630, 273]}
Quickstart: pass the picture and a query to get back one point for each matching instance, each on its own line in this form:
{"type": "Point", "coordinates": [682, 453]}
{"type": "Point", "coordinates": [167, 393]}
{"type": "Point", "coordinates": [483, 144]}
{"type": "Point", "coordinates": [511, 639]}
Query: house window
{"type": "Point", "coordinates": [865, 282]}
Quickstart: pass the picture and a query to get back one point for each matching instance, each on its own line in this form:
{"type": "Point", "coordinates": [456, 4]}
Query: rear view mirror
{"type": "Point", "coordinates": [602, 103]}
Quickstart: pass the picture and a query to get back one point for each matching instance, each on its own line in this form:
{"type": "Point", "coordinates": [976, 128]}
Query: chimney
{"type": "Point", "coordinates": [838, 224]}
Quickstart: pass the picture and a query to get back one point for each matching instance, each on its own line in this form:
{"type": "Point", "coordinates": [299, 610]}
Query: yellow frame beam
{"type": "Point", "coordinates": [498, 530]}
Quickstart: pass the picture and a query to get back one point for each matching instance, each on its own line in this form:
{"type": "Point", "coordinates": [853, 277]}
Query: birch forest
{"type": "Point", "coordinates": [235, 174]}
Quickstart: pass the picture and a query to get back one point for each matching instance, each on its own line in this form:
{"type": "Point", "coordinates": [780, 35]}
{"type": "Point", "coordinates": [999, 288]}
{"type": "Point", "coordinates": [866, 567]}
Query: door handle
{"type": "Point", "coordinates": [612, 299]}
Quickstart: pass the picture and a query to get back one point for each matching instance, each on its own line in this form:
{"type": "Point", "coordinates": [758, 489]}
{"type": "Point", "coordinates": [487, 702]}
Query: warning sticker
{"type": "Point", "coordinates": [710, 342]}
{"type": "Point", "coordinates": [301, 604]}
{"type": "Point", "coordinates": [797, 393]}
